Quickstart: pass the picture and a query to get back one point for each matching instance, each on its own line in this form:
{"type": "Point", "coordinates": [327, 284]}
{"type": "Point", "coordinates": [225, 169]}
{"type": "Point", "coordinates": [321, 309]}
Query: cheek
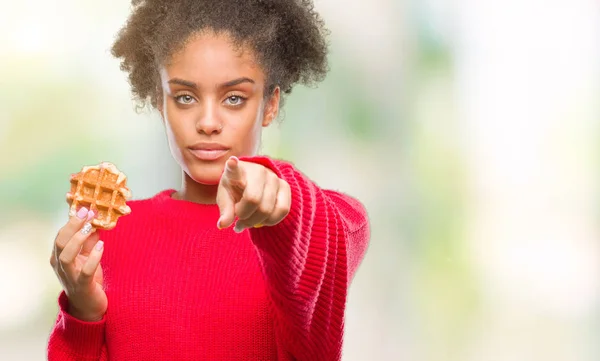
{"type": "Point", "coordinates": [247, 133]}
{"type": "Point", "coordinates": [175, 128]}
{"type": "Point", "coordinates": [174, 124]}
{"type": "Point", "coordinates": [171, 134]}
{"type": "Point", "coordinates": [173, 142]}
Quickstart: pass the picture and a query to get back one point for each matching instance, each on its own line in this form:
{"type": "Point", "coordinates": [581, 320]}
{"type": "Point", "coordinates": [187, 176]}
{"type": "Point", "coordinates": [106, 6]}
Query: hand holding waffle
{"type": "Point", "coordinates": [76, 261]}
{"type": "Point", "coordinates": [253, 194]}
{"type": "Point", "coordinates": [97, 198]}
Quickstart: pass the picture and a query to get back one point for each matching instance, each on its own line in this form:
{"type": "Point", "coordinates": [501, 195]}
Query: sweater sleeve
{"type": "Point", "coordinates": [72, 339]}
{"type": "Point", "coordinates": [309, 260]}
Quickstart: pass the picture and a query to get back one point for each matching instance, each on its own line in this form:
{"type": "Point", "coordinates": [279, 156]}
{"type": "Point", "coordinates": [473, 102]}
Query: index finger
{"type": "Point", "coordinates": [233, 172]}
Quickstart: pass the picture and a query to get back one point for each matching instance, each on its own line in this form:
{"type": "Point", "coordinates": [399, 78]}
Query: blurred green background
{"type": "Point", "coordinates": [468, 128]}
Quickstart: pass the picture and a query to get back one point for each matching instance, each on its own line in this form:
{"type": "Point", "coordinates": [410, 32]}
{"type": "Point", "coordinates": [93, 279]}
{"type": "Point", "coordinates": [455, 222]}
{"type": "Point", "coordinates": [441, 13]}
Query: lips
{"type": "Point", "coordinates": [208, 151]}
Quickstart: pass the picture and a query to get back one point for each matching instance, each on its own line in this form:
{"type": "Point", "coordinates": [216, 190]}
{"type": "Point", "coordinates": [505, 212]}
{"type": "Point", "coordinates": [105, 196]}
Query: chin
{"type": "Point", "coordinates": [206, 173]}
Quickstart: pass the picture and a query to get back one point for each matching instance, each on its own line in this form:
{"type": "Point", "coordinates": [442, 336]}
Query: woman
{"type": "Point", "coordinates": [249, 260]}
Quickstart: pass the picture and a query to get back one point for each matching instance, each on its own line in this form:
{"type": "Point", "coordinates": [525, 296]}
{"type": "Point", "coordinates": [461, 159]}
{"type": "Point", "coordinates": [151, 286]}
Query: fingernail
{"type": "Point", "coordinates": [90, 215]}
{"type": "Point", "coordinates": [82, 213]}
{"type": "Point", "coordinates": [238, 229]}
{"type": "Point", "coordinates": [87, 228]}
{"type": "Point", "coordinates": [219, 223]}
{"type": "Point", "coordinates": [99, 245]}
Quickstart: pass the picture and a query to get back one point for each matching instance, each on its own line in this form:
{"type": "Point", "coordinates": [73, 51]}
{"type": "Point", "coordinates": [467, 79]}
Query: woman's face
{"type": "Point", "coordinates": [213, 105]}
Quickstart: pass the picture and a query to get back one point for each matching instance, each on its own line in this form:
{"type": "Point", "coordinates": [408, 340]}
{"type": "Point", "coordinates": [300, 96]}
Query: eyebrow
{"type": "Point", "coordinates": [191, 84]}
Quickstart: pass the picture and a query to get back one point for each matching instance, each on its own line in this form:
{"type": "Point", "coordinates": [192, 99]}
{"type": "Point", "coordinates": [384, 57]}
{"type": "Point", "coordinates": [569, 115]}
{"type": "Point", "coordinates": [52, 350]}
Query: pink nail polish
{"type": "Point", "coordinates": [99, 245]}
{"type": "Point", "coordinates": [82, 213]}
{"type": "Point", "coordinates": [90, 215]}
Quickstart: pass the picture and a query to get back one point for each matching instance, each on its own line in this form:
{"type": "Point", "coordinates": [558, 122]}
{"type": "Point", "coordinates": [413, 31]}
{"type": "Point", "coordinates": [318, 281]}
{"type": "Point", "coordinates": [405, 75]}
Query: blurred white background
{"type": "Point", "coordinates": [468, 128]}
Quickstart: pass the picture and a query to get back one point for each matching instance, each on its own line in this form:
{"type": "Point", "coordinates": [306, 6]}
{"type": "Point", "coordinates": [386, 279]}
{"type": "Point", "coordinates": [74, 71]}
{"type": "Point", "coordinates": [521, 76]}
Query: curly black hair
{"type": "Point", "coordinates": [287, 36]}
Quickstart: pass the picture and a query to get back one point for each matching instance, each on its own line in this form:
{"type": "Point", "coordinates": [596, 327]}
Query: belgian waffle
{"type": "Point", "coordinates": [102, 189]}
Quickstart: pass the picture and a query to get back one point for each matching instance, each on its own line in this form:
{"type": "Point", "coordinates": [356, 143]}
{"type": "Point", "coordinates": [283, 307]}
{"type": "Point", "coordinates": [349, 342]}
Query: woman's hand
{"type": "Point", "coordinates": [76, 261]}
{"type": "Point", "coordinates": [253, 194]}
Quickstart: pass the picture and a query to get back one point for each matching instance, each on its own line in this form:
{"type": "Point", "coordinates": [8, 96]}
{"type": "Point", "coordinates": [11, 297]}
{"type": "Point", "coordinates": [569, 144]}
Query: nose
{"type": "Point", "coordinates": [208, 121]}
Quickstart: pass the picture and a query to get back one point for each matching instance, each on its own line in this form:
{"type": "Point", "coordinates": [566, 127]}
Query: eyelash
{"type": "Point", "coordinates": [178, 98]}
{"type": "Point", "coordinates": [241, 99]}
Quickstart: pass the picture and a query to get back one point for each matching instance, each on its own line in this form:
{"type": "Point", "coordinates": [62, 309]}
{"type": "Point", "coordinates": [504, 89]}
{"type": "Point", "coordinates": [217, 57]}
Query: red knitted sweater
{"type": "Point", "coordinates": [178, 288]}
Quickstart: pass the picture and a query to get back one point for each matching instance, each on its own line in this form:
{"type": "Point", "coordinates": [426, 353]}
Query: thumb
{"type": "Point", "coordinates": [226, 205]}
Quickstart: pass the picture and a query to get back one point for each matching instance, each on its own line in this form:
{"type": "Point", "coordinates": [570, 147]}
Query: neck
{"type": "Point", "coordinates": [196, 192]}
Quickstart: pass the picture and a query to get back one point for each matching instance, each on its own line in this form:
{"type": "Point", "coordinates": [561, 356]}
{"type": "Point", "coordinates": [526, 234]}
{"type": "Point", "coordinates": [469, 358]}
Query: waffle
{"type": "Point", "coordinates": [102, 189]}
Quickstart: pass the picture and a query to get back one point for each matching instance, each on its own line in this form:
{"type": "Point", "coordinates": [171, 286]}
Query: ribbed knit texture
{"type": "Point", "coordinates": [178, 288]}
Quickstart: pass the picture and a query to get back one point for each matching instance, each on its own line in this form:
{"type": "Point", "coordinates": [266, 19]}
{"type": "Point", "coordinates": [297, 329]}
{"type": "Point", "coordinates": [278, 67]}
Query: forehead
{"type": "Point", "coordinates": [210, 57]}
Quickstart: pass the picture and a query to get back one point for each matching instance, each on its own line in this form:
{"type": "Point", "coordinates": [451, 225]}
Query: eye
{"type": "Point", "coordinates": [185, 99]}
{"type": "Point", "coordinates": [235, 100]}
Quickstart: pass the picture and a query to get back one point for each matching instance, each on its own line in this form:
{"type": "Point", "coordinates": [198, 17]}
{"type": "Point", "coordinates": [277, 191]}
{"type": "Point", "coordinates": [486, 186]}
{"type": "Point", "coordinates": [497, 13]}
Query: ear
{"type": "Point", "coordinates": [272, 107]}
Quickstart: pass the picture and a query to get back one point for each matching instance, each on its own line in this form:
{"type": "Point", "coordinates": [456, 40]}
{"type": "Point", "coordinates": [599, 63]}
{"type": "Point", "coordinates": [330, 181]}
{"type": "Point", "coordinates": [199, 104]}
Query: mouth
{"type": "Point", "coordinates": [208, 151]}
